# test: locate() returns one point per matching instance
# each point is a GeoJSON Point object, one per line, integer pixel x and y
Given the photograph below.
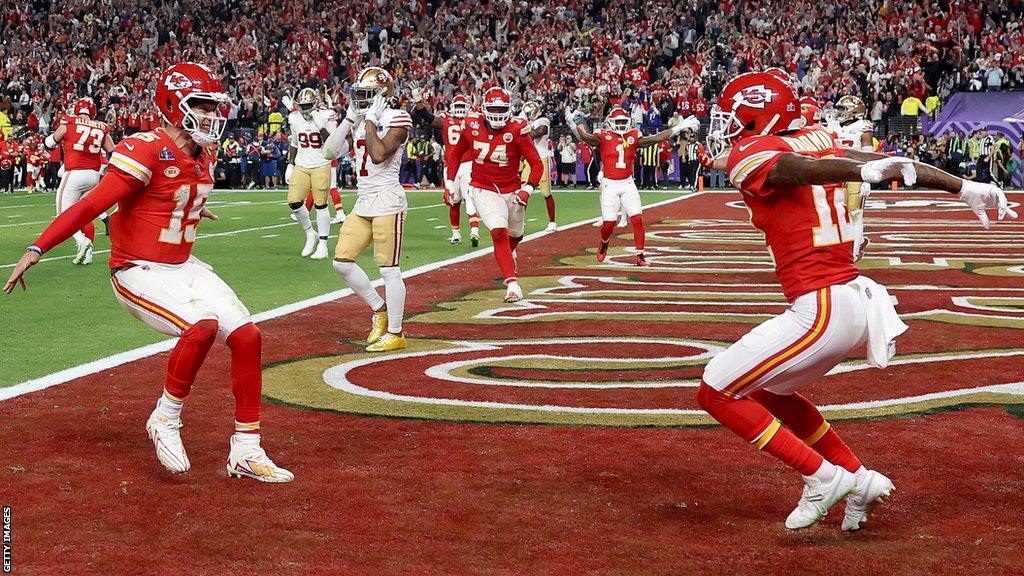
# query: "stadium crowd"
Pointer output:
{"type": "Point", "coordinates": [658, 58]}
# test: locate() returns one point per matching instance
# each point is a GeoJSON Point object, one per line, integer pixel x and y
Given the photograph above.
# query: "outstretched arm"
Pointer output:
{"type": "Point", "coordinates": [580, 131]}
{"type": "Point", "coordinates": [690, 123]}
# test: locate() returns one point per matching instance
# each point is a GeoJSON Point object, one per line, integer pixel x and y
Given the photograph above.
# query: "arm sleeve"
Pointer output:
{"type": "Point", "coordinates": [114, 186]}
{"type": "Point", "coordinates": [529, 152]}
{"type": "Point", "coordinates": [452, 168]}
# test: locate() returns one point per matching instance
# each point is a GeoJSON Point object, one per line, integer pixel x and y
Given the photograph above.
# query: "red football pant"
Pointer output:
{"type": "Point", "coordinates": [804, 419]}
{"type": "Point", "coordinates": [246, 373]}
{"type": "Point", "coordinates": [187, 356]}
{"type": "Point", "coordinates": [752, 422]}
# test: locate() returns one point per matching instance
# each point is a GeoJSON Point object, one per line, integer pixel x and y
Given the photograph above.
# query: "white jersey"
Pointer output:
{"type": "Point", "coordinates": [306, 138]}
{"type": "Point", "coordinates": [850, 134]}
{"type": "Point", "coordinates": [541, 142]}
{"type": "Point", "coordinates": [379, 189]}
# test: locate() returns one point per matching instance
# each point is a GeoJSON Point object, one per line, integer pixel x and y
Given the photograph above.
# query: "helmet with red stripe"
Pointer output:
{"type": "Point", "coordinates": [180, 96]}
{"type": "Point", "coordinates": [754, 104]}
{"type": "Point", "coordinates": [497, 107]}
{"type": "Point", "coordinates": [810, 110]}
{"type": "Point", "coordinates": [619, 121]}
{"type": "Point", "coordinates": [459, 106]}
{"type": "Point", "coordinates": [84, 105]}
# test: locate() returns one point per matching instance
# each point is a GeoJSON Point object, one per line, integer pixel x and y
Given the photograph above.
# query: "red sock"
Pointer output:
{"type": "Point", "coordinates": [607, 227]}
{"type": "Point", "coordinates": [550, 201]}
{"type": "Point", "coordinates": [336, 198]}
{"type": "Point", "coordinates": [474, 221]}
{"type": "Point", "coordinates": [503, 253]}
{"type": "Point", "coordinates": [513, 241]}
{"type": "Point", "coordinates": [752, 422]}
{"type": "Point", "coordinates": [246, 373]}
{"type": "Point", "coordinates": [639, 236]}
{"type": "Point", "coordinates": [90, 231]}
{"type": "Point", "coordinates": [804, 419]}
{"type": "Point", "coordinates": [309, 201]}
{"type": "Point", "coordinates": [453, 215]}
{"type": "Point", "coordinates": [188, 355]}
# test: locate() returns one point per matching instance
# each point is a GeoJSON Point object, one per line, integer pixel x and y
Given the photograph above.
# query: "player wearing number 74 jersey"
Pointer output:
{"type": "Point", "coordinates": [160, 181]}
{"type": "Point", "coordinates": [788, 176]}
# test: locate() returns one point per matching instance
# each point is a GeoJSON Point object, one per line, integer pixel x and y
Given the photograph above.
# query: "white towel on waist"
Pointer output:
{"type": "Point", "coordinates": [884, 324]}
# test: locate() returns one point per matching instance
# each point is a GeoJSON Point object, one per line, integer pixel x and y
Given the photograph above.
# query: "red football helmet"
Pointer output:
{"type": "Point", "coordinates": [754, 104]}
{"type": "Point", "coordinates": [619, 121]}
{"type": "Point", "coordinates": [85, 106]}
{"type": "Point", "coordinates": [497, 107]}
{"type": "Point", "coordinates": [459, 106]}
{"type": "Point", "coordinates": [810, 110]}
{"type": "Point", "coordinates": [180, 89]}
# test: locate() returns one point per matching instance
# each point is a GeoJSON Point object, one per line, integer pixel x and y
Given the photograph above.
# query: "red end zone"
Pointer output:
{"type": "Point", "coordinates": [609, 468]}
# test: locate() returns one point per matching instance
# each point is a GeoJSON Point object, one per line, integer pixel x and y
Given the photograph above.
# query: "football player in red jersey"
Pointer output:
{"type": "Point", "coordinates": [497, 143]}
{"type": "Point", "coordinates": [810, 110]}
{"type": "Point", "coordinates": [790, 178]}
{"type": "Point", "coordinates": [160, 181]}
{"type": "Point", "coordinates": [450, 125]}
{"type": "Point", "coordinates": [84, 141]}
{"type": "Point", "coordinates": [617, 147]}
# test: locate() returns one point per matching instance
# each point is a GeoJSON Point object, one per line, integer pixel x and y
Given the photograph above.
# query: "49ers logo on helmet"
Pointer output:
{"type": "Point", "coordinates": [754, 96]}
{"type": "Point", "coordinates": [177, 81]}
{"type": "Point", "coordinates": [382, 77]}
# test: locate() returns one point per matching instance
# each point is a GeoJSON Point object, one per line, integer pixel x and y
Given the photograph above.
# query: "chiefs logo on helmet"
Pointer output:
{"type": "Point", "coordinates": [177, 81]}
{"type": "Point", "coordinates": [757, 96]}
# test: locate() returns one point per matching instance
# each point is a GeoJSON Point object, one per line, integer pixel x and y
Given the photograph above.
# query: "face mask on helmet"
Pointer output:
{"type": "Point", "coordinates": [723, 128]}
{"type": "Point", "coordinates": [619, 124]}
{"type": "Point", "coordinates": [203, 121]}
{"type": "Point", "coordinates": [497, 114]}
{"type": "Point", "coordinates": [306, 102]}
{"type": "Point", "coordinates": [362, 97]}
{"type": "Point", "coordinates": [459, 108]}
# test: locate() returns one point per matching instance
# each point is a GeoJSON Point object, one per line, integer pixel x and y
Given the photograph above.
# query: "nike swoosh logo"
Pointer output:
{"type": "Point", "coordinates": [745, 146]}
{"type": "Point", "coordinates": [129, 146]}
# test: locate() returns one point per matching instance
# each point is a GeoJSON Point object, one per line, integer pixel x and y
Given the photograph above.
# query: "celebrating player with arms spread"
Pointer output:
{"type": "Point", "coordinates": [84, 140]}
{"type": "Point", "coordinates": [160, 181]}
{"type": "Point", "coordinates": [378, 133]}
{"type": "Point", "coordinates": [498, 143]}
{"type": "Point", "coordinates": [784, 171]}
{"type": "Point", "coordinates": [617, 147]}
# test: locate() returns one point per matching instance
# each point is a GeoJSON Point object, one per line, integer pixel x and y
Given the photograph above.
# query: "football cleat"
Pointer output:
{"type": "Point", "coordinates": [602, 251]}
{"type": "Point", "coordinates": [321, 251]}
{"type": "Point", "coordinates": [474, 238]}
{"type": "Point", "coordinates": [514, 293]}
{"type": "Point", "coordinates": [378, 325]}
{"type": "Point", "coordinates": [551, 227]}
{"type": "Point", "coordinates": [861, 248]}
{"type": "Point", "coordinates": [456, 237]}
{"type": "Point", "coordinates": [247, 459]}
{"type": "Point", "coordinates": [294, 217]}
{"type": "Point", "coordinates": [873, 489]}
{"type": "Point", "coordinates": [641, 261]}
{"type": "Point", "coordinates": [387, 343]}
{"type": "Point", "coordinates": [339, 217]}
{"type": "Point", "coordinates": [167, 440]}
{"type": "Point", "coordinates": [623, 221]}
{"type": "Point", "coordinates": [311, 242]}
{"type": "Point", "coordinates": [84, 252]}
{"type": "Point", "coordinates": [819, 496]}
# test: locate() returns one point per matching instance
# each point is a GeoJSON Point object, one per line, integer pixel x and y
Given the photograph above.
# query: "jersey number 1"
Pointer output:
{"type": "Point", "coordinates": [186, 214]}
{"type": "Point", "coordinates": [829, 232]}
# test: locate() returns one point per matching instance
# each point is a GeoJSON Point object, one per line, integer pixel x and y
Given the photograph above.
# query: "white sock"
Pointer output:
{"type": "Point", "coordinates": [323, 222]}
{"type": "Point", "coordinates": [303, 215]}
{"type": "Point", "coordinates": [826, 472]}
{"type": "Point", "coordinates": [394, 292]}
{"type": "Point", "coordinates": [170, 409]}
{"type": "Point", "coordinates": [247, 438]}
{"type": "Point", "coordinates": [79, 238]}
{"type": "Point", "coordinates": [359, 282]}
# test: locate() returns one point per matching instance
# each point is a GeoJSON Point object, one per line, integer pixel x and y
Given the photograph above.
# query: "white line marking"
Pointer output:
{"type": "Point", "coordinates": [120, 358]}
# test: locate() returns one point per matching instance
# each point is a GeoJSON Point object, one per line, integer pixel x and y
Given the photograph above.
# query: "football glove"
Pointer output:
{"type": "Point", "coordinates": [452, 194]}
{"type": "Point", "coordinates": [377, 107]}
{"type": "Point", "coordinates": [523, 195]}
{"type": "Point", "coordinates": [688, 123]}
{"type": "Point", "coordinates": [889, 168]}
{"type": "Point", "coordinates": [982, 197]}
{"type": "Point", "coordinates": [288, 173]}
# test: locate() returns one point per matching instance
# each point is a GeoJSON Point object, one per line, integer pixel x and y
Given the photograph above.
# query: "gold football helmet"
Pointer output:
{"type": "Point", "coordinates": [306, 101]}
{"type": "Point", "coordinates": [850, 108]}
{"type": "Point", "coordinates": [371, 81]}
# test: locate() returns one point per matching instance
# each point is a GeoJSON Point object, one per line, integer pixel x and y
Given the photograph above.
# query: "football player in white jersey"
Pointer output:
{"type": "Point", "coordinates": [377, 133]}
{"type": "Point", "coordinates": [540, 131]}
{"type": "Point", "coordinates": [309, 127]}
{"type": "Point", "coordinates": [853, 130]}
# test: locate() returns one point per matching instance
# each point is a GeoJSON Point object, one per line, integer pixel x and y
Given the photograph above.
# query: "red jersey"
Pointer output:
{"type": "Point", "coordinates": [496, 154]}
{"type": "Point", "coordinates": [451, 130]}
{"type": "Point", "coordinates": [807, 228]}
{"type": "Point", "coordinates": [618, 151]}
{"type": "Point", "coordinates": [158, 220]}
{"type": "Point", "coordinates": [83, 142]}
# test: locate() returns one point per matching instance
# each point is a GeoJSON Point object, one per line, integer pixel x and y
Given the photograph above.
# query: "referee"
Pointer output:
{"type": "Point", "coordinates": [690, 163]}
{"type": "Point", "coordinates": [649, 166]}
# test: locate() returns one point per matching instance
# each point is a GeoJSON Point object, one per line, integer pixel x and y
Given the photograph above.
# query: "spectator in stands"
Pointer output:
{"type": "Point", "coordinates": [567, 160]}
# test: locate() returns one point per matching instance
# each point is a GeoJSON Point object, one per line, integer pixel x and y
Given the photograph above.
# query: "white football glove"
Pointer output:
{"type": "Point", "coordinates": [351, 114]}
{"type": "Point", "coordinates": [377, 107]}
{"type": "Point", "coordinates": [876, 171]}
{"type": "Point", "coordinates": [865, 191]}
{"type": "Point", "coordinates": [416, 95]}
{"type": "Point", "coordinates": [688, 123]}
{"type": "Point", "coordinates": [288, 173]}
{"type": "Point", "coordinates": [452, 193]}
{"type": "Point", "coordinates": [982, 197]}
{"type": "Point", "coordinates": [287, 102]}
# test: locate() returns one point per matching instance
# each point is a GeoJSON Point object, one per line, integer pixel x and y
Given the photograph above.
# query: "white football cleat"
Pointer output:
{"type": "Point", "coordinates": [514, 293]}
{"type": "Point", "coordinates": [551, 227]}
{"type": "Point", "coordinates": [456, 237]}
{"type": "Point", "coordinates": [873, 489]}
{"type": "Point", "coordinates": [84, 250]}
{"type": "Point", "coordinates": [321, 251]}
{"type": "Point", "coordinates": [247, 459]}
{"type": "Point", "coordinates": [311, 242]}
{"type": "Point", "coordinates": [819, 496]}
{"type": "Point", "coordinates": [339, 217]}
{"type": "Point", "coordinates": [167, 440]}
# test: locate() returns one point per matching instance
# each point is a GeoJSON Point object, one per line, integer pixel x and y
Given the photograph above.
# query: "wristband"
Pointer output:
{"type": "Point", "coordinates": [34, 248]}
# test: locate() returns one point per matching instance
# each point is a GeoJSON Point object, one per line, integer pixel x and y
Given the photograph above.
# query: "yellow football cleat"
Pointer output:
{"type": "Point", "coordinates": [387, 343]}
{"type": "Point", "coordinates": [378, 325]}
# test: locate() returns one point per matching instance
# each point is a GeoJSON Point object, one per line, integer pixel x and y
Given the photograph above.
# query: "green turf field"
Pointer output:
{"type": "Point", "coordinates": [69, 315]}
